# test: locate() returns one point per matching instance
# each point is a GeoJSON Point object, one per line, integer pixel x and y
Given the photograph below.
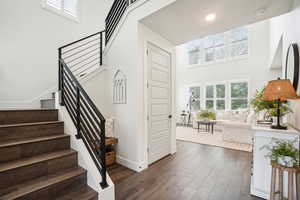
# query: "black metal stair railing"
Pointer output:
{"type": "Point", "coordinates": [114, 16]}
{"type": "Point", "coordinates": [75, 59]}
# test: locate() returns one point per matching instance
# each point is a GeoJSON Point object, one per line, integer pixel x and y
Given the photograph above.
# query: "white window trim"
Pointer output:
{"type": "Point", "coordinates": [200, 99]}
{"type": "Point", "coordinates": [227, 58]}
{"type": "Point", "coordinates": [229, 92]}
{"type": "Point", "coordinates": [215, 94]}
{"type": "Point", "coordinates": [227, 83]}
{"type": "Point", "coordinates": [218, 98]}
{"type": "Point", "coordinates": [61, 12]}
{"type": "Point", "coordinates": [207, 99]}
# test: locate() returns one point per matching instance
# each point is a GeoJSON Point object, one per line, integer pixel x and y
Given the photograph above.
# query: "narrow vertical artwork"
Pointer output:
{"type": "Point", "coordinates": [119, 88]}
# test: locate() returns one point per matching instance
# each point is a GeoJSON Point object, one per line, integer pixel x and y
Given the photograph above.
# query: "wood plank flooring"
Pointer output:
{"type": "Point", "coordinates": [195, 172]}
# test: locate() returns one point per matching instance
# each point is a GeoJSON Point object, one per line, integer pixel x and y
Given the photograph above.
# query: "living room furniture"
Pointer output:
{"type": "Point", "coordinates": [208, 124]}
{"type": "Point", "coordinates": [261, 165]}
{"type": "Point", "coordinates": [238, 132]}
{"type": "Point", "coordinates": [293, 181]}
{"type": "Point", "coordinates": [235, 125]}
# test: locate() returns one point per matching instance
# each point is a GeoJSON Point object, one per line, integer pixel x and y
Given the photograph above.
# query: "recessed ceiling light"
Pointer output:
{"type": "Point", "coordinates": [210, 17]}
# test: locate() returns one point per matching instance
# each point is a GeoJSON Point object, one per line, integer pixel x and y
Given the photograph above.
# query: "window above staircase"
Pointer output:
{"type": "Point", "coordinates": [65, 8]}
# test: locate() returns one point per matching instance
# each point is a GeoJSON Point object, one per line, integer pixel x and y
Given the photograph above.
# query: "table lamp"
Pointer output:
{"type": "Point", "coordinates": [280, 90]}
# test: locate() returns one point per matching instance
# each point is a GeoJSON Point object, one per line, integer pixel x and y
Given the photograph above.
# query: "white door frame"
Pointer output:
{"type": "Point", "coordinates": [147, 103]}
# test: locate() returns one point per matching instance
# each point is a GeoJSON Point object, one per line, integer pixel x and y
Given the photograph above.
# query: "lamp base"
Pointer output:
{"type": "Point", "coordinates": [279, 127]}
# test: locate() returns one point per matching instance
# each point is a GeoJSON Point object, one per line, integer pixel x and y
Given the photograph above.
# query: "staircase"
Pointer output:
{"type": "Point", "coordinates": [36, 162]}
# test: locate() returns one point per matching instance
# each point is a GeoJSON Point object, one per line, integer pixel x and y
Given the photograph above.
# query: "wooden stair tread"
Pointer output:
{"type": "Point", "coordinates": [15, 142]}
{"type": "Point", "coordinates": [42, 182]}
{"type": "Point", "coordinates": [86, 193]}
{"type": "Point", "coordinates": [30, 124]}
{"type": "Point", "coordinates": [35, 159]}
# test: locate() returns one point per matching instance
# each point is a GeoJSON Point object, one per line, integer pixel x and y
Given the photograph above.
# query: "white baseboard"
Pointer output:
{"type": "Point", "coordinates": [173, 150]}
{"type": "Point", "coordinates": [135, 166]}
{"type": "Point", "coordinates": [258, 193]}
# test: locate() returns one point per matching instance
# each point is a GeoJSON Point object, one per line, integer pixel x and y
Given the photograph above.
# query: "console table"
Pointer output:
{"type": "Point", "coordinates": [261, 167]}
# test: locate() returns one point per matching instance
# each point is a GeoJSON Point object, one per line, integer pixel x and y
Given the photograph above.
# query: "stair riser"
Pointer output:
{"type": "Point", "coordinates": [27, 116]}
{"type": "Point", "coordinates": [40, 130]}
{"type": "Point", "coordinates": [32, 149]}
{"type": "Point", "coordinates": [29, 172]}
{"type": "Point", "coordinates": [55, 190]}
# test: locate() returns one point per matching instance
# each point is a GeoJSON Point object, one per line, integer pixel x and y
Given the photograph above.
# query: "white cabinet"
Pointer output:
{"type": "Point", "coordinates": [261, 168]}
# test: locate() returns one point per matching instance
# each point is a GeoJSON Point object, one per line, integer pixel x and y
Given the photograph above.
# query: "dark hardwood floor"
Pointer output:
{"type": "Point", "coordinates": [195, 172]}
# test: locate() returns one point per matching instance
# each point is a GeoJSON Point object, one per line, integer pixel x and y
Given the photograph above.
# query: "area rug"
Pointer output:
{"type": "Point", "coordinates": [192, 135]}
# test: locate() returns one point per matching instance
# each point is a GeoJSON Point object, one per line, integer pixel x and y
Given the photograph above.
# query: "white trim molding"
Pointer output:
{"type": "Point", "coordinates": [61, 11]}
{"type": "Point", "coordinates": [135, 166]}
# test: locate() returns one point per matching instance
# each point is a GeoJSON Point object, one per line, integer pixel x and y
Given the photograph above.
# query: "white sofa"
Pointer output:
{"type": "Point", "coordinates": [235, 125]}
{"type": "Point", "coordinates": [237, 132]}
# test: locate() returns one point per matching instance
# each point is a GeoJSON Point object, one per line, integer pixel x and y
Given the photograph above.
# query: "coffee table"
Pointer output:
{"type": "Point", "coordinates": [209, 125]}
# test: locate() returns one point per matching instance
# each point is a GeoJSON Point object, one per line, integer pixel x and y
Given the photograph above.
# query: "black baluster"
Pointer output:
{"type": "Point", "coordinates": [78, 136]}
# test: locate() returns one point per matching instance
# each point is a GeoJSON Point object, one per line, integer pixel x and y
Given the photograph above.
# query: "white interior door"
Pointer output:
{"type": "Point", "coordinates": [159, 103]}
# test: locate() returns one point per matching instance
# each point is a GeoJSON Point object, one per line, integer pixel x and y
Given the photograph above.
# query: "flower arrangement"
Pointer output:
{"type": "Point", "coordinates": [283, 152]}
{"type": "Point", "coordinates": [205, 114]}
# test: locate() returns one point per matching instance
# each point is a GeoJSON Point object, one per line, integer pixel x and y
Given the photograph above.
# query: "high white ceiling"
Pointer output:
{"type": "Point", "coordinates": [184, 20]}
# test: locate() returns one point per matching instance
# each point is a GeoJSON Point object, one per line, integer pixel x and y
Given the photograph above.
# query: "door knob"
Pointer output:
{"type": "Point", "coordinates": [170, 116]}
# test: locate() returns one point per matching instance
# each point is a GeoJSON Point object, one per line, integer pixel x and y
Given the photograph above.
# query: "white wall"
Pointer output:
{"type": "Point", "coordinates": [124, 53]}
{"type": "Point", "coordinates": [286, 25]}
{"type": "Point", "coordinates": [254, 68]}
{"type": "Point", "coordinates": [96, 86]}
{"type": "Point", "coordinates": [29, 39]}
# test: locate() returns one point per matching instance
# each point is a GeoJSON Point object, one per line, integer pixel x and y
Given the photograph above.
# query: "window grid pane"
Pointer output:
{"type": "Point", "coordinates": [238, 34]}
{"type": "Point", "coordinates": [55, 3]}
{"type": "Point", "coordinates": [195, 92]}
{"type": "Point", "coordinates": [220, 91]}
{"type": "Point", "coordinates": [194, 57]}
{"type": "Point", "coordinates": [220, 104]}
{"type": "Point", "coordinates": [221, 47]}
{"type": "Point", "coordinates": [70, 6]}
{"type": "Point", "coordinates": [209, 104]}
{"type": "Point", "coordinates": [209, 55]}
{"type": "Point", "coordinates": [238, 49]}
{"type": "Point", "coordinates": [209, 91]}
{"type": "Point", "coordinates": [239, 104]}
{"type": "Point", "coordinates": [220, 53]}
{"type": "Point", "coordinates": [239, 90]}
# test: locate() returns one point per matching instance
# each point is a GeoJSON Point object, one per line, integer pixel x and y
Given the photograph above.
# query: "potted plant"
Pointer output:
{"type": "Point", "coordinates": [206, 115]}
{"type": "Point", "coordinates": [272, 112]}
{"type": "Point", "coordinates": [269, 107]}
{"type": "Point", "coordinates": [283, 152]}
